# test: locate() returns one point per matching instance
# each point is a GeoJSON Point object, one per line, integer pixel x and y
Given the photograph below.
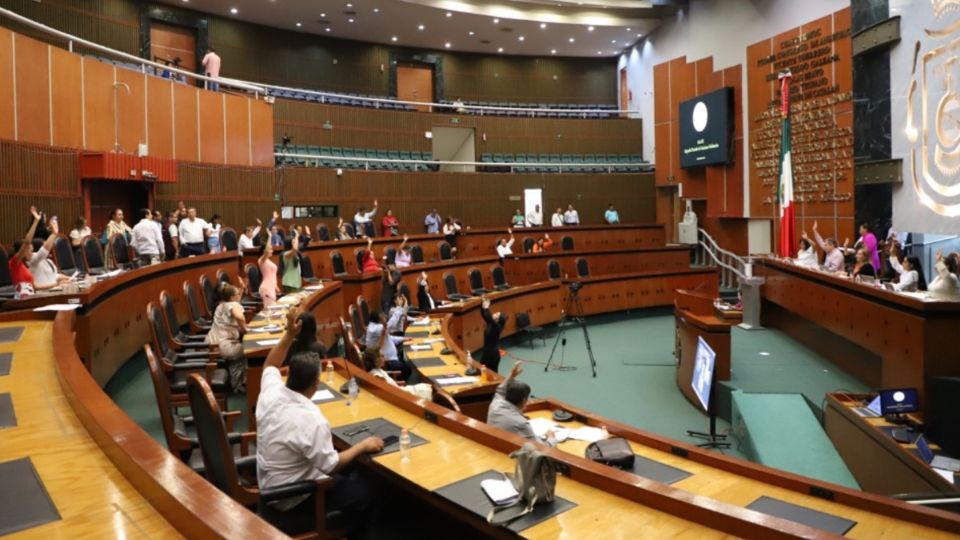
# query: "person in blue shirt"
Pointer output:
{"type": "Point", "coordinates": [432, 222]}
{"type": "Point", "coordinates": [611, 216]}
{"type": "Point", "coordinates": [377, 337]}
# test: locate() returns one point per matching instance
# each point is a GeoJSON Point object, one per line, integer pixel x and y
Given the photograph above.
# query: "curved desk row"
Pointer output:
{"type": "Point", "coordinates": [532, 267]}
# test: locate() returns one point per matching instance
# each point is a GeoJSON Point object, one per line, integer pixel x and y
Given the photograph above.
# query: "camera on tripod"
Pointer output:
{"type": "Point", "coordinates": [574, 286]}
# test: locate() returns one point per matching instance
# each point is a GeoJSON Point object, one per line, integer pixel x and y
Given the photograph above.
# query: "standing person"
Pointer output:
{"type": "Point", "coordinates": [193, 234]}
{"type": "Point", "coordinates": [611, 216]}
{"type": "Point", "coordinates": [363, 220]}
{"type": "Point", "coordinates": [431, 223]}
{"type": "Point", "coordinates": [505, 247]}
{"type": "Point", "coordinates": [557, 219]}
{"type": "Point", "coordinates": [491, 336]}
{"type": "Point", "coordinates": [535, 217]}
{"type": "Point", "coordinates": [268, 277]}
{"type": "Point", "coordinates": [292, 280]}
{"type": "Point", "coordinates": [116, 225]}
{"type": "Point", "coordinates": [450, 230]}
{"type": "Point", "coordinates": [213, 234]}
{"type": "Point", "coordinates": [390, 281]}
{"type": "Point", "coordinates": [571, 217]}
{"type": "Point", "coordinates": [246, 239]}
{"type": "Point", "coordinates": [425, 300]}
{"type": "Point", "coordinates": [181, 211]}
{"type": "Point", "coordinates": [77, 234]}
{"type": "Point", "coordinates": [404, 257]}
{"type": "Point", "coordinates": [226, 332]}
{"type": "Point", "coordinates": [211, 68]}
{"type": "Point", "coordinates": [869, 242]}
{"type": "Point", "coordinates": [517, 220]}
{"type": "Point", "coordinates": [171, 238]}
{"type": "Point", "coordinates": [390, 224]}
{"type": "Point", "coordinates": [147, 239]}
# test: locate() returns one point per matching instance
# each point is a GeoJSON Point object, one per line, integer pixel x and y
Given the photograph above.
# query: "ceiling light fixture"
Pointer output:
{"type": "Point", "coordinates": [350, 20]}
{"type": "Point", "coordinates": [639, 35]}
{"type": "Point", "coordinates": [589, 29]}
{"type": "Point", "coordinates": [420, 27]}
{"type": "Point", "coordinates": [628, 29]}
{"type": "Point", "coordinates": [496, 21]}
{"type": "Point", "coordinates": [447, 44]}
{"type": "Point", "coordinates": [553, 51]}
{"type": "Point", "coordinates": [299, 25]}
{"type": "Point", "coordinates": [349, 5]}
{"type": "Point", "coordinates": [234, 10]}
{"type": "Point", "coordinates": [323, 15]}
{"type": "Point", "coordinates": [449, 14]}
{"type": "Point", "coordinates": [613, 41]}
{"type": "Point", "coordinates": [394, 38]}
{"type": "Point", "coordinates": [470, 33]}
{"type": "Point", "coordinates": [599, 52]}
{"type": "Point", "coordinates": [571, 40]}
{"type": "Point", "coordinates": [543, 25]}
{"type": "Point", "coordinates": [500, 49]}
{"type": "Point", "coordinates": [376, 10]}
{"type": "Point", "coordinates": [327, 29]}
{"type": "Point", "coordinates": [521, 38]}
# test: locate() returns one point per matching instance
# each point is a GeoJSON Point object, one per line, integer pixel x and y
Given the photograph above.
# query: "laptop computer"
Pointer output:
{"type": "Point", "coordinates": [937, 462]}
{"type": "Point", "coordinates": [870, 411]}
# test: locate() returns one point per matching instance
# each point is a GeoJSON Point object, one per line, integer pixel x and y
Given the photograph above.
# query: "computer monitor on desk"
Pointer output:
{"type": "Point", "coordinates": [896, 402]}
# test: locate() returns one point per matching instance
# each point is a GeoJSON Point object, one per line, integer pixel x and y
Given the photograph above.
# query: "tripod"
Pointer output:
{"type": "Point", "coordinates": [573, 303]}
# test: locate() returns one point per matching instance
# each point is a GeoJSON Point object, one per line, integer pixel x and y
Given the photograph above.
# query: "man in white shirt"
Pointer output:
{"type": "Point", "coordinates": [535, 217]}
{"type": "Point", "coordinates": [193, 234]}
{"type": "Point", "coordinates": [294, 442]}
{"type": "Point", "coordinates": [173, 232]}
{"type": "Point", "coordinates": [504, 246]}
{"type": "Point", "coordinates": [147, 239]}
{"type": "Point", "coordinates": [362, 218]}
{"type": "Point", "coordinates": [557, 219]}
{"type": "Point", "coordinates": [246, 239]}
{"type": "Point", "coordinates": [571, 217]}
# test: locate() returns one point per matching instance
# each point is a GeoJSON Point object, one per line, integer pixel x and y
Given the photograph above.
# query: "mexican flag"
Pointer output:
{"type": "Point", "coordinates": [788, 232]}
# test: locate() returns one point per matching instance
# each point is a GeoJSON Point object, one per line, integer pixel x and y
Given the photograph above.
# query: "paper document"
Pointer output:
{"type": "Point", "coordinates": [421, 347]}
{"type": "Point", "coordinates": [541, 426]}
{"type": "Point", "coordinates": [421, 322]}
{"type": "Point", "coordinates": [314, 288]}
{"type": "Point", "coordinates": [588, 434]}
{"type": "Point", "coordinates": [268, 342]}
{"type": "Point", "coordinates": [59, 307]}
{"type": "Point", "coordinates": [947, 475]}
{"type": "Point", "coordinates": [322, 395]}
{"type": "Point", "coordinates": [266, 328]}
{"type": "Point", "coordinates": [433, 340]}
{"type": "Point", "coordinates": [499, 491]}
{"type": "Point", "coordinates": [449, 381]}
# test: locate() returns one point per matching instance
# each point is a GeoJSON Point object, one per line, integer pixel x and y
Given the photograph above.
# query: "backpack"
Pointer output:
{"type": "Point", "coordinates": [535, 479]}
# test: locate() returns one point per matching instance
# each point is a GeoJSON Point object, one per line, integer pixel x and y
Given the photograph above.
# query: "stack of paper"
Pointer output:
{"type": "Point", "coordinates": [421, 347]}
{"type": "Point", "coordinates": [421, 322]}
{"type": "Point", "coordinates": [586, 433]}
{"type": "Point", "coordinates": [322, 395]}
{"type": "Point", "coordinates": [449, 381]}
{"type": "Point", "coordinates": [541, 426]}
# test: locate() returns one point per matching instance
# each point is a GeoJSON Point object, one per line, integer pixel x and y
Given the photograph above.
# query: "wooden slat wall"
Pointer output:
{"type": "Point", "coordinates": [41, 176]}
{"type": "Point", "coordinates": [353, 127]}
{"type": "Point", "coordinates": [238, 195]}
{"type": "Point", "coordinates": [113, 23]}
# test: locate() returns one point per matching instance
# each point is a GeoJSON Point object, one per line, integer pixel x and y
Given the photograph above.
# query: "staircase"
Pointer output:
{"type": "Point", "coordinates": [736, 276]}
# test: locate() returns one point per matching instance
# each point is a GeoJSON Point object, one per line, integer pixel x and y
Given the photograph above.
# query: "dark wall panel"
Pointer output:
{"type": "Point", "coordinates": [112, 23]}
{"type": "Point", "coordinates": [36, 175]}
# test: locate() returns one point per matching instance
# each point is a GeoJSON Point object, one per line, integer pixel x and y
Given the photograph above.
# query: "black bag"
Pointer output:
{"type": "Point", "coordinates": [614, 451]}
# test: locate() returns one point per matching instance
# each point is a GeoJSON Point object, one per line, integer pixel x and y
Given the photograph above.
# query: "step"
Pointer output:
{"type": "Point", "coordinates": [781, 431]}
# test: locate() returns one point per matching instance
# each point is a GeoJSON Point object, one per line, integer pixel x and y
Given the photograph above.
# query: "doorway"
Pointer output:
{"type": "Point", "coordinates": [169, 42]}
{"type": "Point", "coordinates": [624, 92]}
{"type": "Point", "coordinates": [454, 144]}
{"type": "Point", "coordinates": [415, 83]}
{"type": "Point", "coordinates": [106, 195]}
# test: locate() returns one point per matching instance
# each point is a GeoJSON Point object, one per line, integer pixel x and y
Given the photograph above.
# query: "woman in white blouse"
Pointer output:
{"type": "Point", "coordinates": [911, 274]}
{"type": "Point", "coordinates": [945, 286]}
{"type": "Point", "coordinates": [807, 255]}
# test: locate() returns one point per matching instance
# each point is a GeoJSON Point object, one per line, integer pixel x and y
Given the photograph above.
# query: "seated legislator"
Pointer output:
{"type": "Point", "coordinates": [370, 263]}
{"type": "Point", "coordinates": [945, 286]}
{"type": "Point", "coordinates": [307, 340]}
{"type": "Point", "coordinates": [246, 239]}
{"type": "Point", "coordinates": [148, 239]}
{"type": "Point", "coordinates": [25, 264]}
{"type": "Point", "coordinates": [404, 256]}
{"type": "Point", "coordinates": [505, 247]}
{"type": "Point", "coordinates": [226, 332]}
{"type": "Point", "coordinates": [490, 356]}
{"type": "Point", "coordinates": [506, 409]}
{"type": "Point", "coordinates": [611, 216]}
{"type": "Point", "coordinates": [343, 231]}
{"type": "Point", "coordinates": [374, 363]}
{"type": "Point", "coordinates": [862, 267]}
{"type": "Point", "coordinates": [425, 300]}
{"type": "Point", "coordinates": [398, 319]}
{"type": "Point", "coordinates": [379, 339]}
{"type": "Point", "coordinates": [294, 443]}
{"type": "Point", "coordinates": [833, 260]}
{"type": "Point", "coordinates": [807, 254]}
{"type": "Point", "coordinates": [910, 273]}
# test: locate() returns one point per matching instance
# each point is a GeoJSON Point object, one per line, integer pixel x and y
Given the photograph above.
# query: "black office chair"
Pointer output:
{"type": "Point", "coordinates": [528, 244]}
{"type": "Point", "coordinates": [199, 321]}
{"type": "Point", "coordinates": [405, 291]}
{"type": "Point", "coordinates": [499, 279]}
{"type": "Point", "coordinates": [529, 330]}
{"type": "Point", "coordinates": [553, 270]}
{"type": "Point", "coordinates": [350, 230]}
{"type": "Point", "coordinates": [476, 282]}
{"type": "Point", "coordinates": [168, 349]}
{"type": "Point", "coordinates": [93, 256]}
{"type": "Point", "coordinates": [391, 254]}
{"type": "Point", "coordinates": [566, 243]}
{"type": "Point", "coordinates": [63, 252]}
{"type": "Point", "coordinates": [450, 284]}
{"type": "Point", "coordinates": [364, 308]}
{"type": "Point", "coordinates": [228, 239]}
{"type": "Point", "coordinates": [120, 249]}
{"type": "Point", "coordinates": [358, 254]}
{"type": "Point", "coordinates": [583, 267]}
{"type": "Point", "coordinates": [209, 294]}
{"type": "Point", "coordinates": [6, 280]}
{"type": "Point", "coordinates": [306, 269]}
{"type": "Point", "coordinates": [180, 336]}
{"type": "Point", "coordinates": [254, 279]}
{"type": "Point", "coordinates": [323, 233]}
{"type": "Point", "coordinates": [416, 254]}
{"type": "Point", "coordinates": [445, 252]}
{"type": "Point", "coordinates": [359, 329]}
{"type": "Point", "coordinates": [336, 260]}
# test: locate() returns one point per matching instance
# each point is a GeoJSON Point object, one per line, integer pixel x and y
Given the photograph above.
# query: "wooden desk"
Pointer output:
{"type": "Point", "coordinates": [621, 292]}
{"type": "Point", "coordinates": [879, 463]}
{"type": "Point", "coordinates": [883, 338]}
{"type": "Point", "coordinates": [112, 325]}
{"type": "Point", "coordinates": [522, 269]}
{"type": "Point", "coordinates": [695, 316]}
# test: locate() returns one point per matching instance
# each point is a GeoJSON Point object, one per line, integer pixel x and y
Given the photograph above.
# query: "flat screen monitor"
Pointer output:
{"type": "Point", "coordinates": [899, 401]}
{"type": "Point", "coordinates": [706, 129]}
{"type": "Point", "coordinates": [703, 373]}
{"type": "Point", "coordinates": [943, 415]}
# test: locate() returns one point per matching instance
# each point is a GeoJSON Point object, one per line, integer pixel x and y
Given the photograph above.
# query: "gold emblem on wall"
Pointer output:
{"type": "Point", "coordinates": [933, 115]}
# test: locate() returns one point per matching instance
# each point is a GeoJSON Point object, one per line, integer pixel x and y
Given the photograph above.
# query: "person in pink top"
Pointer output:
{"type": "Point", "coordinates": [211, 68]}
{"type": "Point", "coordinates": [268, 272]}
{"type": "Point", "coordinates": [869, 242]}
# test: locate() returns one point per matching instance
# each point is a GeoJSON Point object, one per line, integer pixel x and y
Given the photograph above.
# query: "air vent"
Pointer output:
{"type": "Point", "coordinates": [506, 29]}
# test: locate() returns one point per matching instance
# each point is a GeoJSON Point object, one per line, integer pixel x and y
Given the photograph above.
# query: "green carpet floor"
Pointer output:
{"type": "Point", "coordinates": [635, 381]}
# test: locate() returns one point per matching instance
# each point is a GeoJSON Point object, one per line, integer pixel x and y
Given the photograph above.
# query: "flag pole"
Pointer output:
{"type": "Point", "coordinates": [784, 77]}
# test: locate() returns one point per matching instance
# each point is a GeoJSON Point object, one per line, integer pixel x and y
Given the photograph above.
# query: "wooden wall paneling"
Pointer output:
{"type": "Point", "coordinates": [112, 23]}
{"type": "Point", "coordinates": [186, 133]}
{"type": "Point", "coordinates": [98, 105]}
{"type": "Point", "coordinates": [261, 133]}
{"type": "Point", "coordinates": [67, 105]}
{"type": "Point", "coordinates": [159, 135]}
{"type": "Point", "coordinates": [7, 78]}
{"type": "Point", "coordinates": [132, 108]}
{"type": "Point", "coordinates": [33, 90]}
{"type": "Point", "coordinates": [236, 127]}
{"type": "Point", "coordinates": [211, 126]}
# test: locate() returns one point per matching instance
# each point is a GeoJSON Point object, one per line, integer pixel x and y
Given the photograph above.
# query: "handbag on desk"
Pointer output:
{"type": "Point", "coordinates": [615, 452]}
{"type": "Point", "coordinates": [535, 479]}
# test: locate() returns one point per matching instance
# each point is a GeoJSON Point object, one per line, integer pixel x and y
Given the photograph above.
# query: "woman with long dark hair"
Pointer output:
{"type": "Point", "coordinates": [307, 340]}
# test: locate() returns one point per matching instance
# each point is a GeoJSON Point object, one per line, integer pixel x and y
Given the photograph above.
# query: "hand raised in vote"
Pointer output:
{"type": "Point", "coordinates": [516, 370]}
{"type": "Point", "coordinates": [803, 234]}
{"type": "Point", "coordinates": [939, 255]}
{"type": "Point", "coordinates": [293, 321]}
{"type": "Point", "coordinates": [814, 226]}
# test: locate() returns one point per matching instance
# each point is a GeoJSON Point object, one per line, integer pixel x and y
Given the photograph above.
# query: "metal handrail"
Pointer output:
{"type": "Point", "coordinates": [265, 89]}
{"type": "Point", "coordinates": [719, 262]}
{"type": "Point", "coordinates": [314, 157]}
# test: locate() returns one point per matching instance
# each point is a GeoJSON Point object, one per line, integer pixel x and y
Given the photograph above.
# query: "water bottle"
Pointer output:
{"type": "Point", "coordinates": [353, 390]}
{"type": "Point", "coordinates": [404, 445]}
{"type": "Point", "coordinates": [604, 433]}
{"type": "Point", "coordinates": [329, 372]}
{"type": "Point", "coordinates": [469, 360]}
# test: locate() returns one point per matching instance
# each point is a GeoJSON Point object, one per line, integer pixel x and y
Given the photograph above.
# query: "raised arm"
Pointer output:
{"type": "Point", "coordinates": [485, 311]}
{"type": "Point", "coordinates": [279, 352]}
{"type": "Point", "coordinates": [373, 211]}
{"type": "Point", "coordinates": [28, 238]}
{"type": "Point", "coordinates": [404, 243]}
{"type": "Point", "coordinates": [49, 242]}
{"type": "Point", "coordinates": [895, 264]}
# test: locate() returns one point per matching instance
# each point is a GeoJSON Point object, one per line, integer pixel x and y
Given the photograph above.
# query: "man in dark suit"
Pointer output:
{"type": "Point", "coordinates": [491, 336]}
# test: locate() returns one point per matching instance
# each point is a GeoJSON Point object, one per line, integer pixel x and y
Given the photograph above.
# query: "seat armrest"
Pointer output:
{"type": "Point", "coordinates": [306, 487]}
{"type": "Point", "coordinates": [246, 464]}
{"type": "Point", "coordinates": [246, 439]}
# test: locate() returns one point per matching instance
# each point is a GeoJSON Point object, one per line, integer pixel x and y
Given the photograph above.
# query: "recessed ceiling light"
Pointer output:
{"type": "Point", "coordinates": [376, 10]}
{"type": "Point", "coordinates": [394, 38]}
{"type": "Point", "coordinates": [571, 40]}
{"type": "Point", "coordinates": [234, 10]}
{"type": "Point", "coordinates": [521, 38]}
{"type": "Point", "coordinates": [499, 49]}
{"type": "Point", "coordinates": [553, 51]}
{"type": "Point", "coordinates": [449, 14]}
{"type": "Point", "coordinates": [350, 20]}
{"type": "Point", "coordinates": [589, 29]}
{"type": "Point", "coordinates": [599, 52]}
{"type": "Point", "coordinates": [349, 5]}
{"type": "Point", "coordinates": [496, 21]}
{"type": "Point", "coordinates": [470, 32]}
{"type": "Point", "coordinates": [628, 29]}
{"type": "Point", "coordinates": [613, 41]}
{"type": "Point", "coordinates": [327, 29]}
{"type": "Point", "coordinates": [323, 15]}
{"type": "Point", "coordinates": [543, 25]}
{"type": "Point", "coordinates": [185, 1]}
{"type": "Point", "coordinates": [420, 27]}
{"type": "Point", "coordinates": [447, 44]}
{"type": "Point", "coordinates": [299, 25]}
{"type": "Point", "coordinates": [639, 35]}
